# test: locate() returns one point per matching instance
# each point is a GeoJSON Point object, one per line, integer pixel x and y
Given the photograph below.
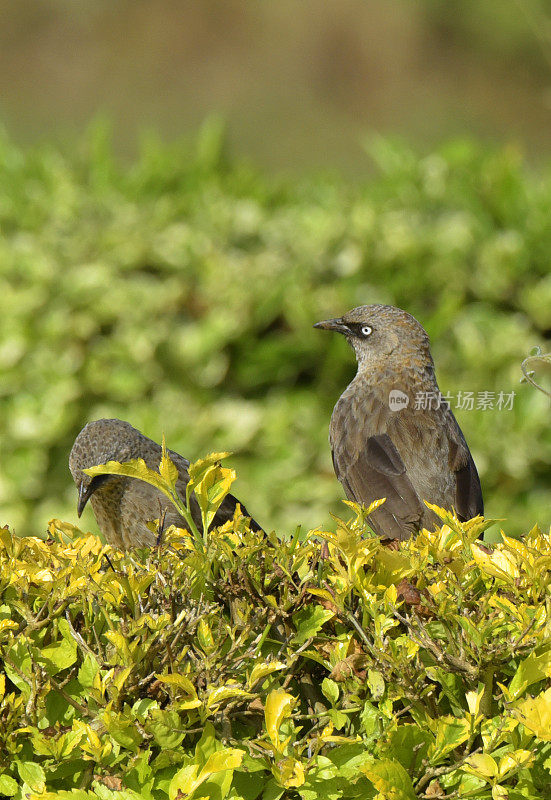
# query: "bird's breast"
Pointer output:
{"type": "Point", "coordinates": [419, 435]}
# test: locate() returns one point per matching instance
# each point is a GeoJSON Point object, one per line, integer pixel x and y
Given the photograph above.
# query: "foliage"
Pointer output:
{"type": "Point", "coordinates": [234, 665]}
{"type": "Point", "coordinates": [179, 293]}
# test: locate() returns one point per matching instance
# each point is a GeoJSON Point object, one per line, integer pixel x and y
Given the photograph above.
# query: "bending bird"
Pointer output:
{"type": "Point", "coordinates": [122, 506]}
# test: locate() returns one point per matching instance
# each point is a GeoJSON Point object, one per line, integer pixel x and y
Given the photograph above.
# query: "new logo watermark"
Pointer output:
{"type": "Point", "coordinates": [397, 400]}
{"type": "Point", "coordinates": [465, 401]}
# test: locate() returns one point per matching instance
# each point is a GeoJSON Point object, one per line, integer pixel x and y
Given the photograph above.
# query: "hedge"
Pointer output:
{"type": "Point", "coordinates": [238, 665]}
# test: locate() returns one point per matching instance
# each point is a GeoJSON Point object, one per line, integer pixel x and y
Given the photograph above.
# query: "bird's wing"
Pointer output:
{"type": "Point", "coordinates": [227, 510]}
{"type": "Point", "coordinates": [376, 471]}
{"type": "Point", "coordinates": [468, 492]}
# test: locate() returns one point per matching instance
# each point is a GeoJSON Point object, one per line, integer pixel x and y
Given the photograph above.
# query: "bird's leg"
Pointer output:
{"type": "Point", "coordinates": [109, 562]}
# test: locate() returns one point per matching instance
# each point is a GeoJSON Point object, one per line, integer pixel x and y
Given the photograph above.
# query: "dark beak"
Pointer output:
{"type": "Point", "coordinates": [86, 492]}
{"type": "Point", "coordinates": [333, 325]}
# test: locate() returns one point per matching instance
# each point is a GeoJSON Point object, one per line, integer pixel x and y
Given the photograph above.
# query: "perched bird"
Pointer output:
{"type": "Point", "coordinates": [122, 505]}
{"type": "Point", "coordinates": [391, 435]}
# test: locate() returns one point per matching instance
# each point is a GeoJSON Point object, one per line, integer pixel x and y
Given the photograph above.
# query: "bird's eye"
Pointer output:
{"type": "Point", "coordinates": [366, 330]}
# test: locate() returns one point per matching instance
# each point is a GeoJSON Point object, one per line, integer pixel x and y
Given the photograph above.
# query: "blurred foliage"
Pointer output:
{"type": "Point", "coordinates": [536, 364]}
{"type": "Point", "coordinates": [247, 667]}
{"type": "Point", "coordinates": [179, 294]}
{"type": "Point", "coordinates": [514, 32]}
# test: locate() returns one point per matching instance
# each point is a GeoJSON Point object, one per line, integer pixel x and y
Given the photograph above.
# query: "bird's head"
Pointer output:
{"type": "Point", "coordinates": [382, 335]}
{"type": "Point", "coordinates": [99, 442]}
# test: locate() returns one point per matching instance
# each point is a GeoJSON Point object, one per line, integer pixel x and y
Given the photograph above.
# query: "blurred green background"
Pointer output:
{"type": "Point", "coordinates": [257, 167]}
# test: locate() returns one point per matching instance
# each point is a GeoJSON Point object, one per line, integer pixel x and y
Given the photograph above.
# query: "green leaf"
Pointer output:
{"type": "Point", "coordinates": [32, 774]}
{"type": "Point", "coordinates": [337, 717]}
{"type": "Point", "coordinates": [248, 785]}
{"type": "Point", "coordinates": [166, 728]}
{"type": "Point", "coordinates": [324, 781]}
{"type": "Point", "coordinates": [370, 720]}
{"type": "Point", "coordinates": [122, 730]}
{"type": "Point", "coordinates": [408, 744]}
{"type": "Point", "coordinates": [20, 655]}
{"type": "Point", "coordinates": [88, 671]}
{"type": "Point", "coordinates": [308, 621]}
{"type": "Point", "coordinates": [272, 790]}
{"type": "Point", "coordinates": [8, 786]}
{"type": "Point", "coordinates": [376, 683]}
{"type": "Point", "coordinates": [60, 654]}
{"type": "Point", "coordinates": [207, 744]}
{"type": "Point", "coordinates": [330, 689]}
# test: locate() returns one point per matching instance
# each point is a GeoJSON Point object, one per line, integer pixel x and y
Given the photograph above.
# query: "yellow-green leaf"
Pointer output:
{"type": "Point", "coordinates": [198, 468]}
{"type": "Point", "coordinates": [260, 671]}
{"type": "Point", "coordinates": [279, 705]}
{"type": "Point", "coordinates": [531, 670]}
{"type": "Point", "coordinates": [450, 733]}
{"type": "Point", "coordinates": [535, 714]}
{"type": "Point", "coordinates": [167, 469]}
{"type": "Point", "coordinates": [498, 564]}
{"type": "Point", "coordinates": [289, 773]}
{"type": "Point", "coordinates": [32, 774]}
{"type": "Point", "coordinates": [175, 679]}
{"type": "Point", "coordinates": [221, 693]}
{"type": "Point", "coordinates": [511, 762]}
{"type": "Point", "coordinates": [211, 490]}
{"type": "Point", "coordinates": [390, 779]}
{"type": "Point", "coordinates": [228, 758]}
{"type": "Point", "coordinates": [482, 765]}
{"type": "Point", "coordinates": [205, 637]}
{"type": "Point", "coordinates": [189, 778]}
{"type": "Point", "coordinates": [137, 468]}
{"type": "Point", "coordinates": [473, 701]}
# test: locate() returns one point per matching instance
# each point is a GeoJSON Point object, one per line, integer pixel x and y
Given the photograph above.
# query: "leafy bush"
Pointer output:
{"type": "Point", "coordinates": [179, 293]}
{"type": "Point", "coordinates": [234, 665]}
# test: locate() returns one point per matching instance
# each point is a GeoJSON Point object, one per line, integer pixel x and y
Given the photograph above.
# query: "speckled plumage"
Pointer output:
{"type": "Point", "coordinates": [406, 455]}
{"type": "Point", "coordinates": [122, 506]}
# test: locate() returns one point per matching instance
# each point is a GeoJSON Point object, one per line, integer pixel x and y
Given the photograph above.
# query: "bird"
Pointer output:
{"type": "Point", "coordinates": [391, 435]}
{"type": "Point", "coordinates": [122, 505]}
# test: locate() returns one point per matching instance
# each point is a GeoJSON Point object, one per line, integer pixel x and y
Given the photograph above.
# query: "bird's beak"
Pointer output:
{"type": "Point", "coordinates": [332, 325]}
{"type": "Point", "coordinates": [86, 492]}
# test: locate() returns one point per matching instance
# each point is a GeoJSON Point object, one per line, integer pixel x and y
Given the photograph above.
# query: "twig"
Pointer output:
{"type": "Point", "coordinates": [524, 633]}
{"type": "Point", "coordinates": [441, 656]}
{"type": "Point", "coordinates": [76, 635]}
{"type": "Point", "coordinates": [78, 706]}
{"type": "Point", "coordinates": [436, 772]}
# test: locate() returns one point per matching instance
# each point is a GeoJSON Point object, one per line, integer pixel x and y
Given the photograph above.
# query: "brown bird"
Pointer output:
{"type": "Point", "coordinates": [122, 506]}
{"type": "Point", "coordinates": [391, 435]}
